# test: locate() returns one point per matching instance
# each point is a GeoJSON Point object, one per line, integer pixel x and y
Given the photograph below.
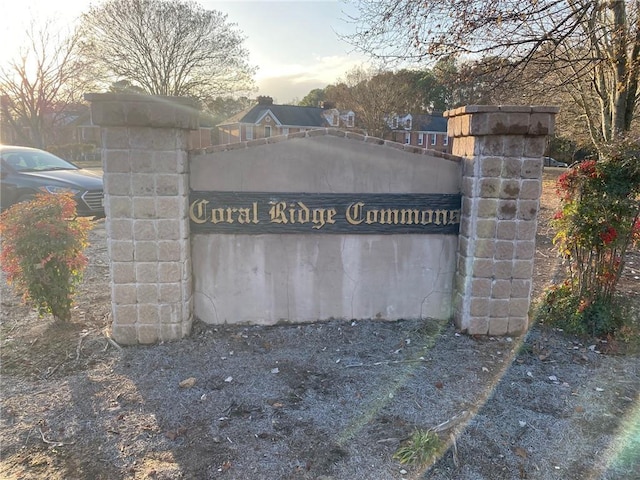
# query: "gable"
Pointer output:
{"type": "Point", "coordinates": [267, 116]}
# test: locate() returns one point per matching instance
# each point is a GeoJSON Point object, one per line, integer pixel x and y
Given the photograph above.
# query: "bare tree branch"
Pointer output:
{"type": "Point", "coordinates": [572, 45]}
{"type": "Point", "coordinates": [169, 47]}
{"type": "Point", "coordinates": [45, 80]}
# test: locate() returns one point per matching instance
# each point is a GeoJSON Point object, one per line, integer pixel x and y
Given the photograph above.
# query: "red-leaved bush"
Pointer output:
{"type": "Point", "coordinates": [41, 250]}
{"type": "Point", "coordinates": [598, 222]}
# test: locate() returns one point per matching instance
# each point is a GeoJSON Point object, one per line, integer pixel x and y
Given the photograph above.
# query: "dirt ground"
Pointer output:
{"type": "Point", "coordinates": [332, 400]}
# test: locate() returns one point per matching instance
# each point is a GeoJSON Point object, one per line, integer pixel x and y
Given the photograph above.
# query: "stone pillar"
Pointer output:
{"type": "Point", "coordinates": [502, 148]}
{"type": "Point", "coordinates": [146, 185]}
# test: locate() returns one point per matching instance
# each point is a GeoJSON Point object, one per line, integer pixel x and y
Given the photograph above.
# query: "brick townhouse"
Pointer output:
{"type": "Point", "coordinates": [427, 131]}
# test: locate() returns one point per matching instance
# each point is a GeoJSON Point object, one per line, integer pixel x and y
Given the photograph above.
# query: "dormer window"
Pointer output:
{"type": "Point", "coordinates": [336, 120]}
{"type": "Point", "coordinates": [350, 119]}
{"type": "Point", "coordinates": [267, 119]}
{"type": "Point", "coordinates": [407, 123]}
{"type": "Point", "coordinates": [394, 123]}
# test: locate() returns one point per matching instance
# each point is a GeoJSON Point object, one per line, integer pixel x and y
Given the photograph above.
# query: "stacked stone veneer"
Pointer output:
{"type": "Point", "coordinates": [502, 148]}
{"type": "Point", "coordinates": [145, 163]}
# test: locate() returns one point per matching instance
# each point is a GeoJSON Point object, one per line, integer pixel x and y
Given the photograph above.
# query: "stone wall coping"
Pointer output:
{"type": "Point", "coordinates": [138, 110]}
{"type": "Point", "coordinates": [319, 132]}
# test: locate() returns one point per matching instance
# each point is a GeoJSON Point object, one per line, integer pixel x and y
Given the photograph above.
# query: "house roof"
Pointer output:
{"type": "Point", "coordinates": [284, 114]}
{"type": "Point", "coordinates": [429, 123]}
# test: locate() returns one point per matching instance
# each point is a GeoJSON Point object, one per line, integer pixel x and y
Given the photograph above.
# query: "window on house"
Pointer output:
{"type": "Point", "coordinates": [446, 141]}
{"type": "Point", "coordinates": [249, 132]}
{"type": "Point", "coordinates": [267, 131]}
{"type": "Point", "coordinates": [285, 130]}
{"type": "Point", "coordinates": [421, 139]}
{"type": "Point", "coordinates": [407, 123]}
{"type": "Point", "coordinates": [407, 138]}
{"type": "Point", "coordinates": [336, 120]}
{"type": "Point", "coordinates": [433, 139]}
{"type": "Point", "coordinates": [350, 120]}
{"type": "Point", "coordinates": [394, 123]}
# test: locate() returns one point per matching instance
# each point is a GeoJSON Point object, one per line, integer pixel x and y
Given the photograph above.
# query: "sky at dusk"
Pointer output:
{"type": "Point", "coordinates": [294, 44]}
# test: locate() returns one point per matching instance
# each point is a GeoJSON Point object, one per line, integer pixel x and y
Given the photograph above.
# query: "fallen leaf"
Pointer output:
{"type": "Point", "coordinates": [439, 385]}
{"type": "Point", "coordinates": [521, 452]}
{"type": "Point", "coordinates": [187, 383]}
{"type": "Point", "coordinates": [579, 409]}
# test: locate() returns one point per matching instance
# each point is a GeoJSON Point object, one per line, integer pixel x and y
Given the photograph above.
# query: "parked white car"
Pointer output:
{"type": "Point", "coordinates": [552, 162]}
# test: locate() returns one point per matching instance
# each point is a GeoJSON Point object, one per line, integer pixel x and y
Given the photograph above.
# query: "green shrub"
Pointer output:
{"type": "Point", "coordinates": [42, 251]}
{"type": "Point", "coordinates": [562, 309]}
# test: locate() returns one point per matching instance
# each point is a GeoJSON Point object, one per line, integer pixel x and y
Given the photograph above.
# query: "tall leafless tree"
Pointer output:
{"type": "Point", "coordinates": [376, 95]}
{"type": "Point", "coordinates": [589, 49]}
{"type": "Point", "coordinates": [167, 47]}
{"type": "Point", "coordinates": [45, 79]}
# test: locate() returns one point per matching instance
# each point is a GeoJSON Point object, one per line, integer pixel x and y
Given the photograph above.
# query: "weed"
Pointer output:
{"type": "Point", "coordinates": [422, 448]}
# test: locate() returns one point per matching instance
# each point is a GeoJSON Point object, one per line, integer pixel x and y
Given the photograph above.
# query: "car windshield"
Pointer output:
{"type": "Point", "coordinates": [33, 161]}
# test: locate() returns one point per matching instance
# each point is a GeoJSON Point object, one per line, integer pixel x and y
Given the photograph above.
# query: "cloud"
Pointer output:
{"type": "Point", "coordinates": [285, 82]}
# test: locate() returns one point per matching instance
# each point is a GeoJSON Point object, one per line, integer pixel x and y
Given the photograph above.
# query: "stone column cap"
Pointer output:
{"type": "Point", "coordinates": [484, 120]}
{"type": "Point", "coordinates": [139, 110]}
{"type": "Point", "coordinates": [454, 112]}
